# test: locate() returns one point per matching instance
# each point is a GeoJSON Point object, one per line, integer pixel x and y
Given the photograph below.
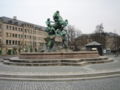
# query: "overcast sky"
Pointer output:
{"type": "Point", "coordinates": [83, 14]}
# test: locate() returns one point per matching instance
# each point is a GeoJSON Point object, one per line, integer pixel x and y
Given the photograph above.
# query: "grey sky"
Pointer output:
{"type": "Point", "coordinates": [83, 14]}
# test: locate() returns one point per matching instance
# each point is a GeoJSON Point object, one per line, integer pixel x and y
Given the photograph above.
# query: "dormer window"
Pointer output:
{"type": "Point", "coordinates": [10, 21]}
{"type": "Point", "coordinates": [16, 23]}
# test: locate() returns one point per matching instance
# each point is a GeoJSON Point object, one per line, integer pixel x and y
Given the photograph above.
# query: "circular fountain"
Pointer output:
{"type": "Point", "coordinates": [53, 55]}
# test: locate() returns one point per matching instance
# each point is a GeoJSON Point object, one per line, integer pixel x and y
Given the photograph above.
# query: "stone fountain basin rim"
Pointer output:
{"type": "Point", "coordinates": [80, 52]}
{"type": "Point", "coordinates": [67, 59]}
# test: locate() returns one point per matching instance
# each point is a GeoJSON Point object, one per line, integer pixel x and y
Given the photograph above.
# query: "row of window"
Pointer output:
{"type": "Point", "coordinates": [22, 36]}
{"type": "Point", "coordinates": [14, 28]}
{"type": "Point", "coordinates": [9, 27]}
{"type": "Point", "coordinates": [15, 42]}
{"type": "Point", "coordinates": [12, 42]}
{"type": "Point", "coordinates": [28, 25]}
{"type": "Point", "coordinates": [23, 24]}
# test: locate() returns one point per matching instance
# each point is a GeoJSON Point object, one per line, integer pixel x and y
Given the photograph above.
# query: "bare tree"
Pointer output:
{"type": "Point", "coordinates": [99, 28]}
{"type": "Point", "coordinates": [72, 35]}
{"type": "Point", "coordinates": [116, 43]}
{"type": "Point", "coordinates": [82, 40]}
{"type": "Point", "coordinates": [99, 35]}
{"type": "Point", "coordinates": [78, 33]}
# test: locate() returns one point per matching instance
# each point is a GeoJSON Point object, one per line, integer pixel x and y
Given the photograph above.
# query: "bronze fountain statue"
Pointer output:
{"type": "Point", "coordinates": [56, 28]}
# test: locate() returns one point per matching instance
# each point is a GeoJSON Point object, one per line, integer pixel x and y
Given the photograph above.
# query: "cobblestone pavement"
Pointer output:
{"type": "Point", "coordinates": [42, 70]}
{"type": "Point", "coordinates": [111, 83]}
{"type": "Point", "coordinates": [96, 84]}
{"type": "Point", "coordinates": [115, 65]}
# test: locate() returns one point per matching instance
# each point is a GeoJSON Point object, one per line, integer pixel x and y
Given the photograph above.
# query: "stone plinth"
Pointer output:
{"type": "Point", "coordinates": [59, 55]}
{"type": "Point", "coordinates": [57, 58]}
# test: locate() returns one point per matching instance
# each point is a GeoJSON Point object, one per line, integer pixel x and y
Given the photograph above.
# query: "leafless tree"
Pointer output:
{"type": "Point", "coordinates": [116, 43]}
{"type": "Point", "coordinates": [99, 35]}
{"type": "Point", "coordinates": [73, 33]}
{"type": "Point", "coordinates": [99, 28]}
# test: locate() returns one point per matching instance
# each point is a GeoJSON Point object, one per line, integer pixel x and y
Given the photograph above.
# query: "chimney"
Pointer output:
{"type": "Point", "coordinates": [15, 17]}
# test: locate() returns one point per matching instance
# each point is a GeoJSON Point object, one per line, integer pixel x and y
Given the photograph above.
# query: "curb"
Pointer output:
{"type": "Point", "coordinates": [59, 77]}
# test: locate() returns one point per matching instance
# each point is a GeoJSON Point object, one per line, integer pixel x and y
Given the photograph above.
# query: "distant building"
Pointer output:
{"type": "Point", "coordinates": [17, 36]}
{"type": "Point", "coordinates": [109, 41]}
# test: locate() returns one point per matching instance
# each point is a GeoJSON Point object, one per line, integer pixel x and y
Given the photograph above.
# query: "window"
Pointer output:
{"type": "Point", "coordinates": [19, 35]}
{"type": "Point", "coordinates": [13, 42]}
{"type": "Point", "coordinates": [25, 36]}
{"type": "Point", "coordinates": [16, 28]}
{"type": "Point", "coordinates": [10, 27]}
{"type": "Point", "coordinates": [9, 42]}
{"type": "Point", "coordinates": [18, 42]}
{"type": "Point", "coordinates": [21, 29]}
{"type": "Point", "coordinates": [6, 42]}
{"type": "Point", "coordinates": [16, 23]}
{"type": "Point", "coordinates": [13, 35]}
{"type": "Point", "coordinates": [10, 21]}
{"type": "Point", "coordinates": [16, 35]}
{"type": "Point", "coordinates": [13, 28]}
{"type": "Point", "coordinates": [7, 27]}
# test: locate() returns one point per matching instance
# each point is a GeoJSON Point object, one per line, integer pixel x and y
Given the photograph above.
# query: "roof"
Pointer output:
{"type": "Point", "coordinates": [20, 23]}
{"type": "Point", "coordinates": [94, 43]}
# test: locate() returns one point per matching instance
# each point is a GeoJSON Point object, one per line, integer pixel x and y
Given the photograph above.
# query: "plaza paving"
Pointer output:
{"type": "Point", "coordinates": [108, 83]}
{"type": "Point", "coordinates": [61, 70]}
{"type": "Point", "coordinates": [96, 84]}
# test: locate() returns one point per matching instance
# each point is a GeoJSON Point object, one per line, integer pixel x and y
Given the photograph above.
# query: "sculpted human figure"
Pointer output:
{"type": "Point", "coordinates": [56, 29]}
{"type": "Point", "coordinates": [48, 23]}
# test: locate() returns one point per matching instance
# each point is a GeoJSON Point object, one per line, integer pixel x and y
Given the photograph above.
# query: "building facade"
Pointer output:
{"type": "Point", "coordinates": [17, 36]}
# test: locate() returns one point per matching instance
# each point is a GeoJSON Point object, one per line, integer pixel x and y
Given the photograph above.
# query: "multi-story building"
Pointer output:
{"type": "Point", "coordinates": [17, 36]}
